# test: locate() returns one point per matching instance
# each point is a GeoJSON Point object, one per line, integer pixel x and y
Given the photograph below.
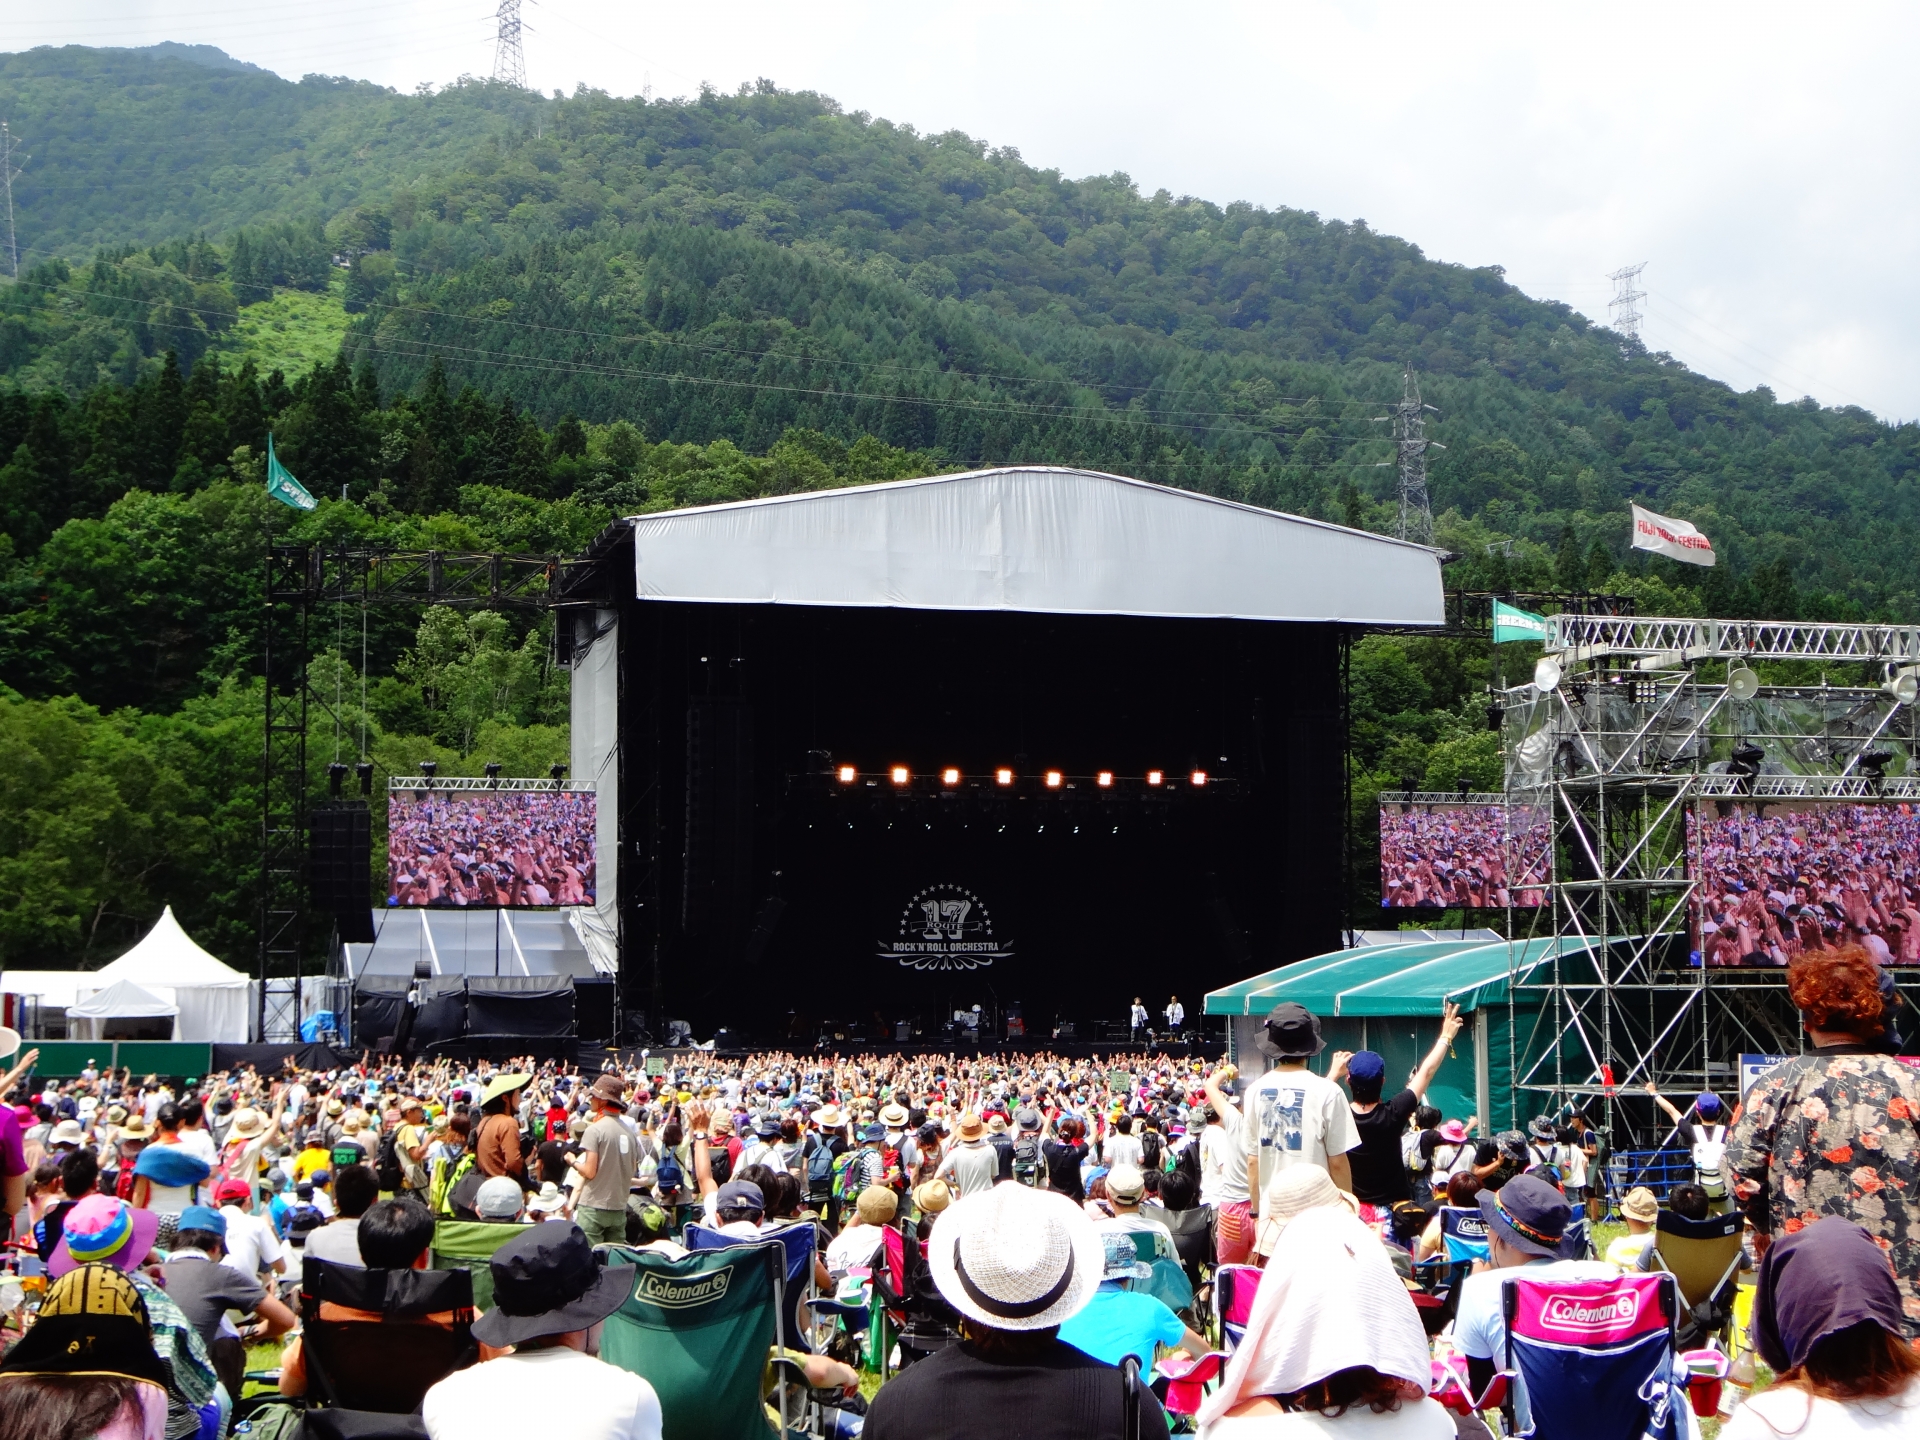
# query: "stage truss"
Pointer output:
{"type": "Point", "coordinates": [1641, 725]}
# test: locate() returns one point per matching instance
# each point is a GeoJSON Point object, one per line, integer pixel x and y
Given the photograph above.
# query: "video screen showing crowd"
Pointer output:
{"type": "Point", "coordinates": [487, 849]}
{"type": "Point", "coordinates": [1458, 855]}
{"type": "Point", "coordinates": [1774, 880]}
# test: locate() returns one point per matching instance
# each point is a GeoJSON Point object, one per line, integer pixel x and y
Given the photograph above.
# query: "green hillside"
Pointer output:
{"type": "Point", "coordinates": [548, 311]}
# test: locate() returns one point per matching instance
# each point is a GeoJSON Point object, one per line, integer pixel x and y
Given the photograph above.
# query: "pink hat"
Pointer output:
{"type": "Point", "coordinates": [103, 1230]}
{"type": "Point", "coordinates": [1453, 1132]}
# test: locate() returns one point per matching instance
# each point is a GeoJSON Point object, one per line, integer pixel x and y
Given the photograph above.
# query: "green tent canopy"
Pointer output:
{"type": "Point", "coordinates": [1389, 999]}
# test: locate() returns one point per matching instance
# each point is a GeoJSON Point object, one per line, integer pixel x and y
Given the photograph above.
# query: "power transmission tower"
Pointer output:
{"type": "Point", "coordinates": [509, 60]}
{"type": "Point", "coordinates": [7, 171]}
{"type": "Point", "coordinates": [1410, 445]}
{"type": "Point", "coordinates": [1624, 308]}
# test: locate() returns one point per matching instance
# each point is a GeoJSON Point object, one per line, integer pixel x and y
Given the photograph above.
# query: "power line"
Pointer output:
{"type": "Point", "coordinates": [1623, 310]}
{"type": "Point", "coordinates": [7, 171]}
{"type": "Point", "coordinates": [509, 60]}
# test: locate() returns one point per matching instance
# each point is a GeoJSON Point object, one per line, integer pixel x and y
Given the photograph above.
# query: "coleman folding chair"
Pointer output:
{"type": "Point", "coordinates": [797, 1248]}
{"type": "Point", "coordinates": [1234, 1287]}
{"type": "Point", "coordinates": [1596, 1357]}
{"type": "Point", "coordinates": [1703, 1256]}
{"type": "Point", "coordinates": [469, 1245]}
{"type": "Point", "coordinates": [375, 1341]}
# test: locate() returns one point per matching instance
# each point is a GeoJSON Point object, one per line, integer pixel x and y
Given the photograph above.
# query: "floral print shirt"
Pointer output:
{"type": "Point", "coordinates": [1833, 1133]}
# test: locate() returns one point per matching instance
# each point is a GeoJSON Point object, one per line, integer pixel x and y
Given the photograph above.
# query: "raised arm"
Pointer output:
{"type": "Point", "coordinates": [1450, 1024]}
{"type": "Point", "coordinates": [1665, 1104]}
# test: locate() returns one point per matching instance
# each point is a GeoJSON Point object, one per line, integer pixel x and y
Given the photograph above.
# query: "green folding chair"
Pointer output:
{"type": "Point", "coordinates": [468, 1245]}
{"type": "Point", "coordinates": [699, 1330]}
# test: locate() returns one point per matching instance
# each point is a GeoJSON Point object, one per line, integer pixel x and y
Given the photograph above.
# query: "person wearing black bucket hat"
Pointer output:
{"type": "Point", "coordinates": [1525, 1219]}
{"type": "Point", "coordinates": [549, 1297]}
{"type": "Point", "coordinates": [1290, 1115]}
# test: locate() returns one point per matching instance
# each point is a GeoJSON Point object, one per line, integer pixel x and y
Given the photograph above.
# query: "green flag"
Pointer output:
{"type": "Point", "coordinates": [1512, 623]}
{"type": "Point", "coordinates": [282, 486]}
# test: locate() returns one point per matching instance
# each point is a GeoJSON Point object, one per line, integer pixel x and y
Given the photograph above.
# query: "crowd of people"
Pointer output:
{"type": "Point", "coordinates": [1061, 1221]}
{"type": "Point", "coordinates": [1439, 856]}
{"type": "Point", "coordinates": [491, 848]}
{"type": "Point", "coordinates": [1776, 879]}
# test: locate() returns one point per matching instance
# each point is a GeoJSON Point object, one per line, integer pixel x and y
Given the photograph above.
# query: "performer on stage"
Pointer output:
{"type": "Point", "coordinates": [1176, 1015]}
{"type": "Point", "coordinates": [1138, 1020]}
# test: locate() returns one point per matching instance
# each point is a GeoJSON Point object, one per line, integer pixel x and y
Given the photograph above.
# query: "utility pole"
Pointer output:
{"type": "Point", "coordinates": [7, 171]}
{"type": "Point", "coordinates": [1624, 308]}
{"type": "Point", "coordinates": [509, 60]}
{"type": "Point", "coordinates": [1410, 446]}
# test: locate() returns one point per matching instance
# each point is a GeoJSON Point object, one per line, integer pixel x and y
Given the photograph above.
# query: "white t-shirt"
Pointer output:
{"type": "Point", "coordinates": [1480, 1326]}
{"type": "Point", "coordinates": [1295, 1117]}
{"type": "Point", "coordinates": [1119, 1149]}
{"type": "Point", "coordinates": [252, 1247]}
{"type": "Point", "coordinates": [337, 1241]}
{"type": "Point", "coordinates": [1223, 1167]}
{"type": "Point", "coordinates": [1423, 1420]}
{"type": "Point", "coordinates": [1785, 1415]}
{"type": "Point", "coordinates": [524, 1391]}
{"type": "Point", "coordinates": [855, 1245]}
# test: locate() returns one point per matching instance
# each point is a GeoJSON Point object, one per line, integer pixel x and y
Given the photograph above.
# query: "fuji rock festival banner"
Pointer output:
{"type": "Point", "coordinates": [1675, 539]}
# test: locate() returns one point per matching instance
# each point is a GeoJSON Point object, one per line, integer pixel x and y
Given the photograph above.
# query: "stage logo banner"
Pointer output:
{"type": "Point", "coordinates": [1510, 622]}
{"type": "Point", "coordinates": [945, 927]}
{"type": "Point", "coordinates": [1675, 539]}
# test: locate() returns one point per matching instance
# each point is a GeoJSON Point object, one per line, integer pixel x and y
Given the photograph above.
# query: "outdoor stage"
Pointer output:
{"type": "Point", "coordinates": [1033, 741]}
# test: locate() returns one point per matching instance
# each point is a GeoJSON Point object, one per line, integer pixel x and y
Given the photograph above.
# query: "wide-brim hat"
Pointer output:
{"type": "Point", "coordinates": [1527, 1213]}
{"type": "Point", "coordinates": [971, 1127]}
{"type": "Point", "coordinates": [1016, 1258]}
{"type": "Point", "coordinates": [106, 1231]}
{"type": "Point", "coordinates": [609, 1086]}
{"type": "Point", "coordinates": [67, 1132]}
{"type": "Point", "coordinates": [10, 1042]}
{"type": "Point", "coordinates": [1454, 1132]}
{"type": "Point", "coordinates": [92, 1321]}
{"type": "Point", "coordinates": [1540, 1128]}
{"type": "Point", "coordinates": [830, 1117]}
{"type": "Point", "coordinates": [894, 1117]}
{"type": "Point", "coordinates": [546, 1281]}
{"type": "Point", "coordinates": [1641, 1205]}
{"type": "Point", "coordinates": [1292, 1032]}
{"type": "Point", "coordinates": [503, 1085]}
{"type": "Point", "coordinates": [247, 1123]}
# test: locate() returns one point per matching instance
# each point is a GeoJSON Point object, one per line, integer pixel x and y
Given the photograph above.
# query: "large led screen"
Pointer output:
{"type": "Point", "coordinates": [490, 849]}
{"type": "Point", "coordinates": [1454, 855]}
{"type": "Point", "coordinates": [1775, 877]}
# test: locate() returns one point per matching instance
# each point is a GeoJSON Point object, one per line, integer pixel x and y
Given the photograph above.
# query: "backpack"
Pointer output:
{"type": "Point", "coordinates": [720, 1160]}
{"type": "Point", "coordinates": [667, 1174]}
{"type": "Point", "coordinates": [647, 1172]}
{"type": "Point", "coordinates": [386, 1163]}
{"type": "Point", "coordinates": [892, 1172]}
{"type": "Point", "coordinates": [1708, 1152]}
{"type": "Point", "coordinates": [1150, 1149]}
{"type": "Point", "coordinates": [1026, 1161]}
{"type": "Point", "coordinates": [819, 1166]}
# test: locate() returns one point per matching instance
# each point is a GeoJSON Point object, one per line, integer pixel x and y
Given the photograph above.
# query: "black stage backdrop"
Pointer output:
{"type": "Point", "coordinates": [760, 895]}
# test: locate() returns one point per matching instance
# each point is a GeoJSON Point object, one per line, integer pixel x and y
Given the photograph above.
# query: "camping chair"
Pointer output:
{"type": "Point", "coordinates": [906, 1307]}
{"type": "Point", "coordinates": [1464, 1229]}
{"type": "Point", "coordinates": [1596, 1357]}
{"type": "Point", "coordinates": [1169, 1284]}
{"type": "Point", "coordinates": [1703, 1256]}
{"type": "Point", "coordinates": [698, 1330]}
{"type": "Point", "coordinates": [468, 1245]}
{"type": "Point", "coordinates": [387, 1358]}
{"type": "Point", "coordinates": [797, 1245]}
{"type": "Point", "coordinates": [1438, 1299]}
{"type": "Point", "coordinates": [1234, 1287]}
{"type": "Point", "coordinates": [1193, 1241]}
{"type": "Point", "coordinates": [1575, 1242]}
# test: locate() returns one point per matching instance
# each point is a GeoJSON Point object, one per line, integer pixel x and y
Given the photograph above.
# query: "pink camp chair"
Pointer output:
{"type": "Point", "coordinates": [1234, 1287]}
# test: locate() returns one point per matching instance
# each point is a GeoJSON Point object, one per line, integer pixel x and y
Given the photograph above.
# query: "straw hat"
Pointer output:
{"type": "Point", "coordinates": [930, 1197]}
{"type": "Point", "coordinates": [830, 1117]}
{"type": "Point", "coordinates": [1640, 1205]}
{"type": "Point", "coordinates": [249, 1122]}
{"type": "Point", "coordinates": [894, 1116]}
{"type": "Point", "coordinates": [1015, 1258]}
{"type": "Point", "coordinates": [877, 1204]}
{"type": "Point", "coordinates": [971, 1126]}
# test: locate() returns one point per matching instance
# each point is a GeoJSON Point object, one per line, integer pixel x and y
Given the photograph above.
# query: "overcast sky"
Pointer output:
{"type": "Point", "coordinates": [1760, 159]}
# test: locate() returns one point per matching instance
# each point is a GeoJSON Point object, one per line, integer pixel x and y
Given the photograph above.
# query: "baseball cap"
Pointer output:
{"type": "Point", "coordinates": [204, 1217]}
{"type": "Point", "coordinates": [1366, 1065]}
{"type": "Point", "coordinates": [498, 1199]}
{"type": "Point", "coordinates": [1125, 1183]}
{"type": "Point", "coordinates": [740, 1195]}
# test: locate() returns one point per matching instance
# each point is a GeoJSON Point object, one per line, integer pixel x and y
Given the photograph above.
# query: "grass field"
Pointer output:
{"type": "Point", "coordinates": [292, 332]}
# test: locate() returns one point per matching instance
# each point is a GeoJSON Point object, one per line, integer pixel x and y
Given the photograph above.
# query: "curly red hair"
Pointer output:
{"type": "Point", "coordinates": [1837, 990]}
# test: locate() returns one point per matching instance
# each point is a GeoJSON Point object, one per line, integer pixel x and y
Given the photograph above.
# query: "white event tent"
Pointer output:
{"type": "Point", "coordinates": [211, 996]}
{"type": "Point", "coordinates": [93, 1017]}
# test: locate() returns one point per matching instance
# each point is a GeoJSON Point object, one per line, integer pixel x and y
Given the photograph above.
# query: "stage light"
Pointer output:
{"type": "Point", "coordinates": [1742, 683]}
{"type": "Point", "coordinates": [1104, 779]}
{"type": "Point", "coordinates": [900, 774]}
{"type": "Point", "coordinates": [1199, 777]}
{"type": "Point", "coordinates": [1054, 777]}
{"type": "Point", "coordinates": [949, 776]}
{"type": "Point", "coordinates": [365, 771]}
{"type": "Point", "coordinates": [1904, 685]}
{"type": "Point", "coordinates": [848, 774]}
{"type": "Point", "coordinates": [1003, 777]}
{"type": "Point", "coordinates": [1546, 674]}
{"type": "Point", "coordinates": [336, 777]}
{"type": "Point", "coordinates": [1156, 777]}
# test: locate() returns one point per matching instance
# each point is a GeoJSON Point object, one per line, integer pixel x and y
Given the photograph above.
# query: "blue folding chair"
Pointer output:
{"type": "Point", "coordinates": [797, 1243]}
{"type": "Point", "coordinates": [1464, 1229]}
{"type": "Point", "coordinates": [1575, 1242]}
{"type": "Point", "coordinates": [1596, 1357]}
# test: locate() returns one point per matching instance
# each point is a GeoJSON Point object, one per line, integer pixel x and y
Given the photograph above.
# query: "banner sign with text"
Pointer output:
{"type": "Point", "coordinates": [1675, 539]}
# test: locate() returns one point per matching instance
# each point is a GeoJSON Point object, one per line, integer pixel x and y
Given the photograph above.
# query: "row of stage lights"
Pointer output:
{"type": "Point", "coordinates": [901, 777]}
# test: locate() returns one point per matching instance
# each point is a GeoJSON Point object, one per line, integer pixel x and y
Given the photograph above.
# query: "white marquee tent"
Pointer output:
{"type": "Point", "coordinates": [211, 996]}
{"type": "Point", "coordinates": [93, 1017]}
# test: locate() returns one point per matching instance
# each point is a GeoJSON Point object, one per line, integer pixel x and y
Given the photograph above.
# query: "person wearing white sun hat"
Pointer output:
{"type": "Point", "coordinates": [1015, 1263]}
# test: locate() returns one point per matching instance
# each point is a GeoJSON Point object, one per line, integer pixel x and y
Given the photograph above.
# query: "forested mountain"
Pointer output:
{"type": "Point", "coordinates": [551, 310]}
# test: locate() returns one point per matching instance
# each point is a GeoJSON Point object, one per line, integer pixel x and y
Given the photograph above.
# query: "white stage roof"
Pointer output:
{"type": "Point", "coordinates": [1034, 538]}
